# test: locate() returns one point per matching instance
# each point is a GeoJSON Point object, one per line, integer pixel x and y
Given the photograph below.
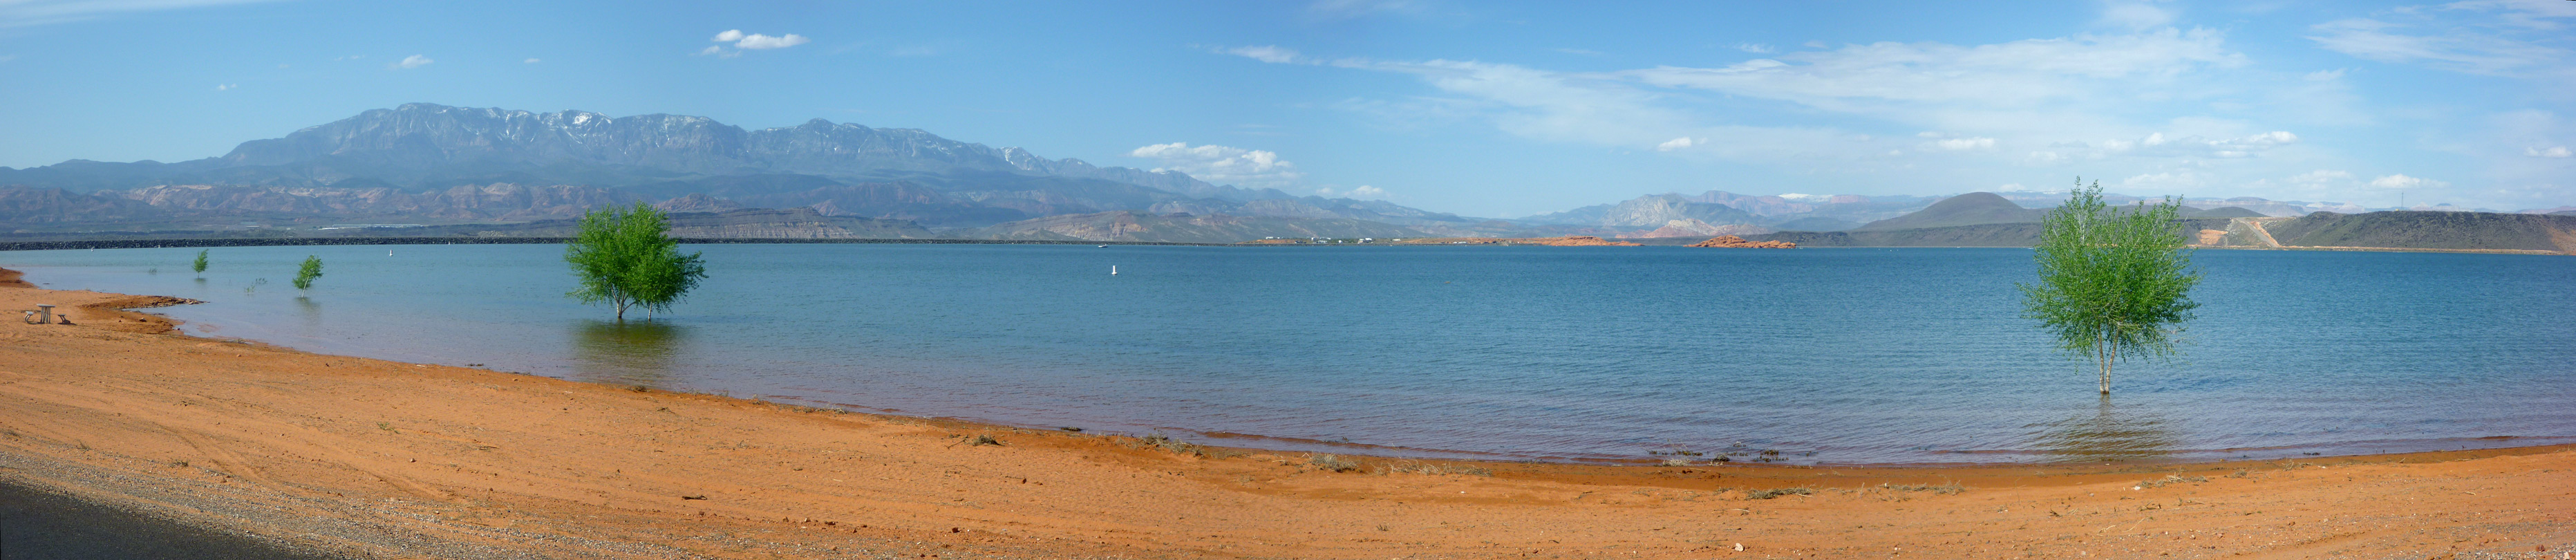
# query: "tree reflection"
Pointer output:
{"type": "Point", "coordinates": [2107, 433]}
{"type": "Point", "coordinates": [311, 312]}
{"type": "Point", "coordinates": [639, 353]}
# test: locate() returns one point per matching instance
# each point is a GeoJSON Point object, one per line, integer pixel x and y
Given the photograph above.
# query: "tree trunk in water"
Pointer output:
{"type": "Point", "coordinates": [2110, 351]}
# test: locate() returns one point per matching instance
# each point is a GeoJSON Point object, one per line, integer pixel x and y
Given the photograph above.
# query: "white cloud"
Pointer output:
{"type": "Point", "coordinates": [226, 87]}
{"type": "Point", "coordinates": [2013, 74]}
{"type": "Point", "coordinates": [23, 13]}
{"type": "Point", "coordinates": [409, 62]}
{"type": "Point", "coordinates": [1361, 192]}
{"type": "Point", "coordinates": [1755, 48]}
{"type": "Point", "coordinates": [350, 57]}
{"type": "Point", "coordinates": [2158, 145]}
{"type": "Point", "coordinates": [2135, 15]}
{"type": "Point", "coordinates": [2551, 152]}
{"type": "Point", "coordinates": [530, 61]}
{"type": "Point", "coordinates": [2169, 182]}
{"type": "Point", "coordinates": [2521, 38]}
{"type": "Point", "coordinates": [2322, 177]}
{"type": "Point", "coordinates": [750, 41]}
{"type": "Point", "coordinates": [2401, 181]}
{"type": "Point", "coordinates": [1223, 164]}
{"type": "Point", "coordinates": [1963, 144]}
{"type": "Point", "coordinates": [1344, 9]}
{"type": "Point", "coordinates": [759, 42]}
{"type": "Point", "coordinates": [1674, 144]}
{"type": "Point", "coordinates": [1266, 53]}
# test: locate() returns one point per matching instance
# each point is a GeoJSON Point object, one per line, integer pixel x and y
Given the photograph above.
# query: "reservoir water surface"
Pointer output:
{"type": "Point", "coordinates": [1824, 355]}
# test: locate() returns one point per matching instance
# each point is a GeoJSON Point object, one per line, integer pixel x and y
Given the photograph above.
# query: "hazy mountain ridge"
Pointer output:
{"type": "Point", "coordinates": [1989, 220]}
{"type": "Point", "coordinates": [1146, 226]}
{"type": "Point", "coordinates": [432, 162]}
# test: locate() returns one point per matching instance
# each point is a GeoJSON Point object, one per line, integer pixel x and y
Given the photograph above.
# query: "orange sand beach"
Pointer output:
{"type": "Point", "coordinates": [375, 459]}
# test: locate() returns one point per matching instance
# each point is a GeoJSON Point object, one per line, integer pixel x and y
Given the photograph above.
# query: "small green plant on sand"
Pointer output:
{"type": "Point", "coordinates": [312, 269]}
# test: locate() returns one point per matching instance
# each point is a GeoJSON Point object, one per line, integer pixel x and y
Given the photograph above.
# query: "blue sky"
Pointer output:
{"type": "Point", "coordinates": [1490, 109]}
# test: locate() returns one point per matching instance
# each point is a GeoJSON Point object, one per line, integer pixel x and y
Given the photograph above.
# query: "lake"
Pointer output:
{"type": "Point", "coordinates": [1830, 356]}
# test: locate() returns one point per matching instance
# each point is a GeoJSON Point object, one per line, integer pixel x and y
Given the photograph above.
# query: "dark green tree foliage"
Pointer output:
{"type": "Point", "coordinates": [312, 269]}
{"type": "Point", "coordinates": [2114, 283]}
{"type": "Point", "coordinates": [200, 265]}
{"type": "Point", "coordinates": [625, 258]}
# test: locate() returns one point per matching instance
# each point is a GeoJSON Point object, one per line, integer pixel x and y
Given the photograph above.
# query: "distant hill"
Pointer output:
{"type": "Point", "coordinates": [1963, 210]}
{"type": "Point", "coordinates": [2222, 212]}
{"type": "Point", "coordinates": [1978, 235]}
{"type": "Point", "coordinates": [1182, 228]}
{"type": "Point", "coordinates": [2430, 230]}
{"type": "Point", "coordinates": [754, 223]}
{"type": "Point", "coordinates": [1647, 212]}
{"type": "Point", "coordinates": [2390, 230]}
{"type": "Point", "coordinates": [1816, 223]}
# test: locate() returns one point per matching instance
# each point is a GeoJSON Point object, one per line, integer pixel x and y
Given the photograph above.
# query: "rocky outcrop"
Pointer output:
{"type": "Point", "coordinates": [1733, 242]}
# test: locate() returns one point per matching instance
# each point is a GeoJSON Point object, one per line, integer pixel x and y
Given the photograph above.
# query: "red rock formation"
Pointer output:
{"type": "Point", "coordinates": [1577, 241]}
{"type": "Point", "coordinates": [1733, 242]}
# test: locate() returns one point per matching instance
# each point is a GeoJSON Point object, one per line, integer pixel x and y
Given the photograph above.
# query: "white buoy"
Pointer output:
{"type": "Point", "coordinates": [1113, 270]}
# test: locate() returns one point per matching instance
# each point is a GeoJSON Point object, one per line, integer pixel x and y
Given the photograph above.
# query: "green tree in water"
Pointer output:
{"type": "Point", "coordinates": [626, 258]}
{"type": "Point", "coordinates": [312, 269]}
{"type": "Point", "coordinates": [2114, 283]}
{"type": "Point", "coordinates": [200, 264]}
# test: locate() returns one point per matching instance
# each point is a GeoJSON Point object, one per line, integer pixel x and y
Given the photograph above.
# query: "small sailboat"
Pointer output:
{"type": "Point", "coordinates": [1113, 270]}
{"type": "Point", "coordinates": [1104, 246]}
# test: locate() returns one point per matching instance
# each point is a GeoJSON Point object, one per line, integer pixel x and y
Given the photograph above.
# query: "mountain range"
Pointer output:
{"type": "Point", "coordinates": [496, 171]}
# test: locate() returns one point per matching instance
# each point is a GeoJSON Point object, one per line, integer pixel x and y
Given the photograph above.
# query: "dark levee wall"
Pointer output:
{"type": "Point", "coordinates": [36, 524]}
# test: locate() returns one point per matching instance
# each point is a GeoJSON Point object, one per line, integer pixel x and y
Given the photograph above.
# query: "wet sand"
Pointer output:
{"type": "Point", "coordinates": [369, 458]}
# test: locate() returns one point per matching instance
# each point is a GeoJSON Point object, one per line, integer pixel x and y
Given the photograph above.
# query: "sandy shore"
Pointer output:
{"type": "Point", "coordinates": [377, 459]}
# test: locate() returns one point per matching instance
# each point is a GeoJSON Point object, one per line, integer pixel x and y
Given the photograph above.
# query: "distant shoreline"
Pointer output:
{"type": "Point", "coordinates": [320, 241]}
{"type": "Point", "coordinates": [333, 241]}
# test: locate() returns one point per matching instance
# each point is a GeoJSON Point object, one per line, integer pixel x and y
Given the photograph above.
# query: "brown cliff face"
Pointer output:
{"type": "Point", "coordinates": [1733, 242]}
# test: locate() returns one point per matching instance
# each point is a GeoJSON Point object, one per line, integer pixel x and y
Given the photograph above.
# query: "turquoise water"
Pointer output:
{"type": "Point", "coordinates": [1826, 355]}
